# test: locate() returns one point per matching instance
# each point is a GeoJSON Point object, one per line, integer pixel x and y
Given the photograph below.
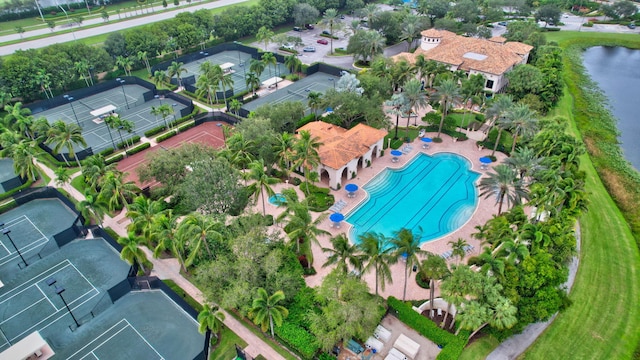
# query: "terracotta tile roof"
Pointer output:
{"type": "Point", "coordinates": [498, 39]}
{"type": "Point", "coordinates": [339, 145]}
{"type": "Point", "coordinates": [467, 53]}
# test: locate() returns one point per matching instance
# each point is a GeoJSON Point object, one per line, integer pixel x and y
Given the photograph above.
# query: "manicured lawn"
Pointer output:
{"type": "Point", "coordinates": [79, 184]}
{"type": "Point", "coordinates": [479, 349]}
{"type": "Point", "coordinates": [226, 347]}
{"type": "Point", "coordinates": [602, 322]}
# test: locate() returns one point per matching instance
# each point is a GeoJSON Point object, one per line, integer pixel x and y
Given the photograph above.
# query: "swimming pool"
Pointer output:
{"type": "Point", "coordinates": [436, 193]}
{"type": "Point", "coordinates": [277, 199]}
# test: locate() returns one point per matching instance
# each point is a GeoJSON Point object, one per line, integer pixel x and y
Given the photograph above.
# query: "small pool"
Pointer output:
{"type": "Point", "coordinates": [277, 199]}
{"type": "Point", "coordinates": [437, 193]}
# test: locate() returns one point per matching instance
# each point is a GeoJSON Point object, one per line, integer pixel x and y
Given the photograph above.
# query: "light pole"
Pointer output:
{"type": "Point", "coordinates": [70, 99]}
{"type": "Point", "coordinates": [7, 232]}
{"type": "Point", "coordinates": [59, 291]}
{"type": "Point", "coordinates": [204, 55]}
{"type": "Point", "coordinates": [159, 99]}
{"type": "Point", "coordinates": [122, 81]}
{"type": "Point", "coordinates": [173, 107]}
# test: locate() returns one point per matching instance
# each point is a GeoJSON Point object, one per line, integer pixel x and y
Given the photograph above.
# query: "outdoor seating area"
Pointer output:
{"type": "Point", "coordinates": [407, 149]}
{"type": "Point", "coordinates": [338, 206]}
{"type": "Point", "coordinates": [449, 253]}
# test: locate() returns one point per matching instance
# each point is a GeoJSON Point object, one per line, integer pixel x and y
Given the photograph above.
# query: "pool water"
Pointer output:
{"type": "Point", "coordinates": [277, 199]}
{"type": "Point", "coordinates": [435, 193]}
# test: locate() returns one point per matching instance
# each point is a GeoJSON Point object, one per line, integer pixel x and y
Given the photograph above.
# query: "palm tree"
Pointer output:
{"type": "Point", "coordinates": [410, 30]}
{"type": "Point", "coordinates": [211, 319]}
{"type": "Point", "coordinates": [142, 56]}
{"type": "Point", "coordinates": [164, 231]}
{"type": "Point", "coordinates": [490, 263]}
{"type": "Point", "coordinates": [64, 135]}
{"type": "Point", "coordinates": [447, 94]}
{"type": "Point", "coordinates": [17, 116]}
{"type": "Point", "coordinates": [330, 19]}
{"type": "Point", "coordinates": [164, 111]}
{"type": "Point", "coordinates": [257, 67]}
{"type": "Point", "coordinates": [343, 254]}
{"type": "Point", "coordinates": [473, 316]}
{"type": "Point", "coordinates": [293, 63]}
{"type": "Point", "coordinates": [264, 35]}
{"type": "Point", "coordinates": [373, 44]}
{"type": "Point", "coordinates": [301, 226]}
{"type": "Point", "coordinates": [314, 99]}
{"type": "Point", "coordinates": [125, 63]}
{"type": "Point", "coordinates": [158, 77]}
{"type": "Point", "coordinates": [115, 190]}
{"type": "Point", "coordinates": [94, 169]}
{"type": "Point", "coordinates": [201, 226]}
{"type": "Point", "coordinates": [523, 122]}
{"type": "Point", "coordinates": [306, 153]}
{"type": "Point", "coordinates": [92, 208]}
{"type": "Point", "coordinates": [407, 246]}
{"type": "Point", "coordinates": [500, 105]}
{"type": "Point", "coordinates": [270, 59]}
{"type": "Point", "coordinates": [398, 105]}
{"type": "Point", "coordinates": [82, 67]}
{"type": "Point", "coordinates": [176, 69]}
{"type": "Point", "coordinates": [435, 268]}
{"type": "Point", "coordinates": [142, 211]}
{"type": "Point", "coordinates": [207, 88]}
{"type": "Point", "coordinates": [400, 72]}
{"type": "Point", "coordinates": [416, 98]}
{"type": "Point", "coordinates": [459, 248]}
{"type": "Point", "coordinates": [266, 312]}
{"type": "Point", "coordinates": [370, 12]}
{"type": "Point", "coordinates": [219, 77]}
{"type": "Point", "coordinates": [42, 78]}
{"type": "Point", "coordinates": [526, 163]}
{"type": "Point", "coordinates": [23, 153]}
{"type": "Point", "coordinates": [504, 185]}
{"type": "Point", "coordinates": [234, 106]}
{"type": "Point", "coordinates": [252, 80]}
{"type": "Point", "coordinates": [131, 251]}
{"type": "Point", "coordinates": [62, 177]}
{"type": "Point", "coordinates": [377, 253]}
{"type": "Point", "coordinates": [261, 182]}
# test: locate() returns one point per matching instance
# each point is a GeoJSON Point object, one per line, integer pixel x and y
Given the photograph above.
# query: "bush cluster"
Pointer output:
{"type": "Point", "coordinates": [298, 339]}
{"type": "Point", "coordinates": [106, 152]}
{"type": "Point", "coordinates": [114, 159]}
{"type": "Point", "coordinates": [138, 148]}
{"type": "Point", "coordinates": [164, 137]}
{"type": "Point", "coordinates": [155, 130]}
{"type": "Point", "coordinates": [126, 143]}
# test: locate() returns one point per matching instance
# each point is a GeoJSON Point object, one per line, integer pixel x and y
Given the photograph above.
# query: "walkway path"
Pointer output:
{"type": "Point", "coordinates": [170, 269]}
{"type": "Point", "coordinates": [107, 28]}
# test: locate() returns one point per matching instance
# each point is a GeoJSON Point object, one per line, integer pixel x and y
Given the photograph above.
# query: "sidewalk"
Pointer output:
{"type": "Point", "coordinates": [169, 269]}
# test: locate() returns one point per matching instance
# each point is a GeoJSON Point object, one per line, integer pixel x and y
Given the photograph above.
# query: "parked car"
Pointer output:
{"type": "Point", "coordinates": [309, 27]}
{"type": "Point", "coordinates": [323, 41]}
{"type": "Point", "coordinates": [631, 26]}
{"type": "Point", "coordinates": [326, 32]}
{"type": "Point", "coordinates": [296, 28]}
{"type": "Point", "coordinates": [309, 49]}
{"type": "Point", "coordinates": [502, 23]}
{"type": "Point", "coordinates": [288, 46]}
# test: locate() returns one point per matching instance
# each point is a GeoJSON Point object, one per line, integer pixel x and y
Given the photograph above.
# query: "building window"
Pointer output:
{"type": "Point", "coordinates": [489, 84]}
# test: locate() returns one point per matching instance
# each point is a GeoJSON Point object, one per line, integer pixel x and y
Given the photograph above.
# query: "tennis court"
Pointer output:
{"type": "Point", "coordinates": [208, 133]}
{"type": "Point", "coordinates": [6, 172]}
{"type": "Point", "coordinates": [237, 64]}
{"type": "Point", "coordinates": [127, 102]}
{"type": "Point", "coordinates": [31, 226]}
{"type": "Point", "coordinates": [297, 91]}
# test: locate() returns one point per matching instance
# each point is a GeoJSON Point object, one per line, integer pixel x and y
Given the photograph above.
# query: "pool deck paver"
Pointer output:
{"type": "Point", "coordinates": [485, 210]}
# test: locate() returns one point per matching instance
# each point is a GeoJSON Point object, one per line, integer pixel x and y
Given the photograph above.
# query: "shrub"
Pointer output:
{"type": "Point", "coordinates": [431, 118]}
{"type": "Point", "coordinates": [106, 152]}
{"type": "Point", "coordinates": [9, 193]}
{"type": "Point", "coordinates": [138, 148]}
{"type": "Point", "coordinates": [164, 137]}
{"type": "Point", "coordinates": [132, 140]}
{"type": "Point", "coordinates": [298, 339]}
{"type": "Point", "coordinates": [295, 181]}
{"type": "Point", "coordinates": [114, 159]}
{"type": "Point", "coordinates": [155, 130]}
{"type": "Point", "coordinates": [305, 120]}
{"type": "Point", "coordinates": [307, 271]}
{"type": "Point", "coordinates": [8, 205]}
{"type": "Point", "coordinates": [186, 126]}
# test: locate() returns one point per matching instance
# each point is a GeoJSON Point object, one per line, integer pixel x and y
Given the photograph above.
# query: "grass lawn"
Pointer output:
{"type": "Point", "coordinates": [79, 184]}
{"type": "Point", "coordinates": [480, 348]}
{"type": "Point", "coordinates": [226, 347]}
{"type": "Point", "coordinates": [602, 322]}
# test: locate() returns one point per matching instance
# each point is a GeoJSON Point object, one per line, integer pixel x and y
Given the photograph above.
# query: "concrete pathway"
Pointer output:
{"type": "Point", "coordinates": [107, 28]}
{"type": "Point", "coordinates": [169, 269]}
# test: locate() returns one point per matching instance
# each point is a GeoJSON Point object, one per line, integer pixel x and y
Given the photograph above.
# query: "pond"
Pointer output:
{"type": "Point", "coordinates": [616, 70]}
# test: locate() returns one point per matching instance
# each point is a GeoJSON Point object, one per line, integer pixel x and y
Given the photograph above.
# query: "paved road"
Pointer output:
{"type": "Point", "coordinates": [81, 34]}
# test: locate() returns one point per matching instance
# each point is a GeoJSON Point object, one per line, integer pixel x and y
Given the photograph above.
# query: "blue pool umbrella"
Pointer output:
{"type": "Point", "coordinates": [351, 187]}
{"type": "Point", "coordinates": [336, 217]}
{"type": "Point", "coordinates": [426, 140]}
{"type": "Point", "coordinates": [396, 152]}
{"type": "Point", "coordinates": [485, 160]}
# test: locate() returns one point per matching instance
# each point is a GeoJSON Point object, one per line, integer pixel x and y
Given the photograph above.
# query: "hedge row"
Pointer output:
{"type": "Point", "coordinates": [155, 130]}
{"type": "Point", "coordinates": [298, 339]}
{"type": "Point", "coordinates": [186, 126]}
{"type": "Point", "coordinates": [106, 152]}
{"type": "Point", "coordinates": [126, 143]}
{"type": "Point", "coordinates": [305, 120]}
{"type": "Point", "coordinates": [15, 190]}
{"type": "Point", "coordinates": [8, 206]}
{"type": "Point", "coordinates": [452, 345]}
{"type": "Point", "coordinates": [138, 148]}
{"type": "Point", "coordinates": [114, 159]}
{"type": "Point", "coordinates": [164, 137]}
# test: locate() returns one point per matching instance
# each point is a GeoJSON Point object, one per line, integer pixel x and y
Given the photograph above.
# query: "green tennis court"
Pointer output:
{"type": "Point", "coordinates": [127, 102]}
{"type": "Point", "coordinates": [6, 172]}
{"type": "Point", "coordinates": [240, 62]}
{"type": "Point", "coordinates": [298, 91]}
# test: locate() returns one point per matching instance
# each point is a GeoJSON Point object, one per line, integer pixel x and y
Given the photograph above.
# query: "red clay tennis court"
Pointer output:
{"type": "Point", "coordinates": [208, 133]}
